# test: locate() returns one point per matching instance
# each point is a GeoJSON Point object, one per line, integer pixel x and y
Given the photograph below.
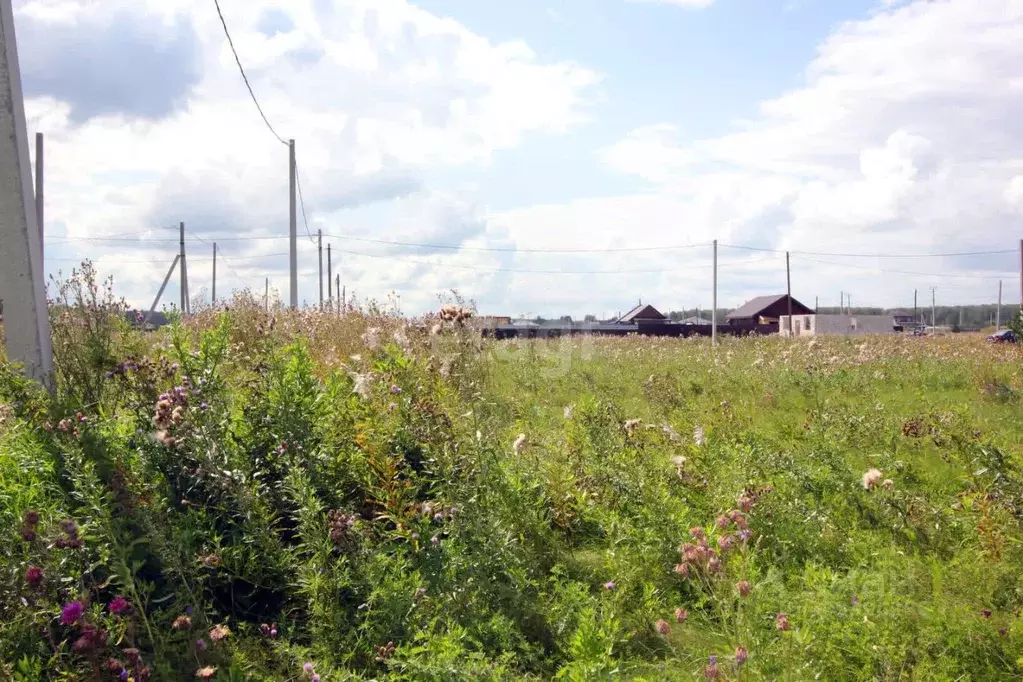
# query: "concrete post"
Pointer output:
{"type": "Point", "coordinates": [22, 284]}
{"type": "Point", "coordinates": [39, 201]}
{"type": "Point", "coordinates": [181, 257]}
{"type": "Point", "coordinates": [293, 224]}
{"type": "Point", "coordinates": [159, 294]}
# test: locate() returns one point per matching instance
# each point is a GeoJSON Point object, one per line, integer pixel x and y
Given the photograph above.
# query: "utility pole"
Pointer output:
{"type": "Point", "coordinates": [39, 201]}
{"type": "Point", "coordinates": [214, 273]}
{"type": "Point", "coordinates": [848, 307]}
{"type": "Point", "coordinates": [841, 303]}
{"type": "Point", "coordinates": [344, 297]}
{"type": "Point", "coordinates": [319, 255]}
{"type": "Point", "coordinates": [330, 280]}
{"type": "Point", "coordinates": [816, 303]}
{"type": "Point", "coordinates": [998, 313]}
{"type": "Point", "coordinates": [714, 301]}
{"type": "Point", "coordinates": [22, 282]}
{"type": "Point", "coordinates": [293, 223]}
{"type": "Point", "coordinates": [934, 325]}
{"type": "Point", "coordinates": [266, 295]}
{"type": "Point", "coordinates": [788, 289]}
{"type": "Point", "coordinates": [183, 272]}
{"type": "Point", "coordinates": [960, 317]}
{"type": "Point", "coordinates": [916, 315]}
{"type": "Point", "coordinates": [159, 294]}
{"type": "Point", "coordinates": [1021, 275]}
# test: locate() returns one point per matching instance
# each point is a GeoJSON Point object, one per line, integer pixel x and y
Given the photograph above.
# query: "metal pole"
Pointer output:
{"type": "Point", "coordinates": [181, 255]}
{"type": "Point", "coordinates": [293, 223]}
{"type": "Point", "coordinates": [998, 313]}
{"type": "Point", "coordinates": [816, 303]}
{"type": "Point", "coordinates": [156, 301]}
{"type": "Point", "coordinates": [714, 301]}
{"type": "Point", "coordinates": [214, 273]}
{"type": "Point", "coordinates": [841, 303]}
{"type": "Point", "coordinates": [319, 255]}
{"type": "Point", "coordinates": [330, 279]}
{"type": "Point", "coordinates": [39, 200]}
{"type": "Point", "coordinates": [22, 282]}
{"type": "Point", "coordinates": [788, 289]}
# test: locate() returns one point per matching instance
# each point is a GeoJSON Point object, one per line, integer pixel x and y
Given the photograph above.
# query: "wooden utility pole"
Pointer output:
{"type": "Point", "coordinates": [319, 255]}
{"type": "Point", "coordinates": [293, 223]}
{"type": "Point", "coordinates": [39, 201]}
{"type": "Point", "coordinates": [998, 310]}
{"type": "Point", "coordinates": [22, 282]}
{"type": "Point", "coordinates": [214, 273]}
{"type": "Point", "coordinates": [714, 300]}
{"type": "Point", "coordinates": [788, 289]}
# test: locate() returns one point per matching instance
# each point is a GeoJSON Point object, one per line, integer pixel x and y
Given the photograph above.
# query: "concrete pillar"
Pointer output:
{"type": "Point", "coordinates": [22, 285]}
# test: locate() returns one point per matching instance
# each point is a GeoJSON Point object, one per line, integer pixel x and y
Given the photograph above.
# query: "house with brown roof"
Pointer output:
{"type": "Point", "coordinates": [645, 313]}
{"type": "Point", "coordinates": [765, 310]}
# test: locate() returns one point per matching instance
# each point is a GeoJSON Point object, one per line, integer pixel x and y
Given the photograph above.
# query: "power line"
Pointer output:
{"type": "Point", "coordinates": [301, 202]}
{"type": "Point", "coordinates": [871, 255]}
{"type": "Point", "coordinates": [244, 77]}
{"type": "Point", "coordinates": [901, 272]}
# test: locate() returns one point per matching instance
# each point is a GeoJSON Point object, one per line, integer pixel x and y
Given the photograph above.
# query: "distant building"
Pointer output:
{"type": "Point", "coordinates": [492, 320]}
{"type": "Point", "coordinates": [765, 311]}
{"type": "Point", "coordinates": [647, 313]}
{"type": "Point", "coordinates": [903, 320]}
{"type": "Point", "coordinates": [695, 320]}
{"type": "Point", "coordinates": [836, 325]}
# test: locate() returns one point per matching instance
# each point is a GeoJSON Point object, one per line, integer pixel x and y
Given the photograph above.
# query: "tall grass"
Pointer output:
{"type": "Point", "coordinates": [249, 492]}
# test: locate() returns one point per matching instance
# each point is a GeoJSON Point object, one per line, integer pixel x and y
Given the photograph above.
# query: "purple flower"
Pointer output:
{"type": "Point", "coordinates": [200, 644]}
{"type": "Point", "coordinates": [124, 674]}
{"type": "Point", "coordinates": [71, 613]}
{"type": "Point", "coordinates": [316, 677]}
{"type": "Point", "coordinates": [741, 655]}
{"type": "Point", "coordinates": [119, 606]}
{"type": "Point", "coordinates": [396, 390]}
{"type": "Point", "coordinates": [435, 539]}
{"type": "Point", "coordinates": [308, 668]}
{"type": "Point", "coordinates": [609, 585]}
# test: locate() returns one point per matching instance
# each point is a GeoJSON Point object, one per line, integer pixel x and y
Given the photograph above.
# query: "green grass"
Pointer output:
{"type": "Point", "coordinates": [440, 508]}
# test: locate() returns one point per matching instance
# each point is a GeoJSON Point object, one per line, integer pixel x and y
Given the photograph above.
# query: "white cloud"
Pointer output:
{"type": "Point", "coordinates": [379, 95]}
{"type": "Point", "coordinates": [905, 139]}
{"type": "Point", "coordinates": [691, 4]}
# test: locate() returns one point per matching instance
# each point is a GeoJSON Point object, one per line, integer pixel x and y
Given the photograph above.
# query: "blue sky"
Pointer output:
{"type": "Point", "coordinates": [503, 129]}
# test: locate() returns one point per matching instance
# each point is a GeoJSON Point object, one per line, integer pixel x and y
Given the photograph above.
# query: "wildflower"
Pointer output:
{"type": "Point", "coordinates": [714, 565]}
{"type": "Point", "coordinates": [361, 385]}
{"type": "Point", "coordinates": [435, 539]}
{"type": "Point", "coordinates": [745, 535]}
{"type": "Point", "coordinates": [711, 672]}
{"type": "Point", "coordinates": [682, 570]}
{"type": "Point", "coordinates": [371, 338]}
{"type": "Point", "coordinates": [662, 627]}
{"type": "Point", "coordinates": [781, 622]}
{"type": "Point", "coordinates": [569, 411]}
{"type": "Point", "coordinates": [855, 600]}
{"type": "Point", "coordinates": [681, 615]}
{"type": "Point", "coordinates": [206, 673]}
{"type": "Point", "coordinates": [316, 677]}
{"type": "Point", "coordinates": [986, 613]}
{"type": "Point", "coordinates": [419, 594]}
{"type": "Point", "coordinates": [725, 542]}
{"type": "Point", "coordinates": [31, 517]}
{"type": "Point", "coordinates": [200, 644]}
{"type": "Point", "coordinates": [737, 518]}
{"type": "Point", "coordinates": [888, 484]}
{"type": "Point", "coordinates": [610, 585]}
{"type": "Point", "coordinates": [520, 441]}
{"type": "Point", "coordinates": [182, 623]}
{"type": "Point", "coordinates": [745, 502]}
{"type": "Point", "coordinates": [219, 632]}
{"type": "Point", "coordinates": [34, 576]}
{"type": "Point", "coordinates": [741, 655]}
{"type": "Point", "coordinates": [28, 534]}
{"type": "Point", "coordinates": [395, 389]}
{"type": "Point", "coordinates": [697, 532]}
{"type": "Point", "coordinates": [119, 606]}
{"type": "Point", "coordinates": [308, 668]}
{"type": "Point", "coordinates": [631, 424]}
{"type": "Point", "coordinates": [722, 522]}
{"type": "Point", "coordinates": [744, 588]}
{"type": "Point", "coordinates": [71, 612]}
{"type": "Point", "coordinates": [871, 478]}
{"type": "Point", "coordinates": [698, 437]}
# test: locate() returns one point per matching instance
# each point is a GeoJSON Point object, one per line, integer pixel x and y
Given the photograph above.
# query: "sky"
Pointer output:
{"type": "Point", "coordinates": [538, 157]}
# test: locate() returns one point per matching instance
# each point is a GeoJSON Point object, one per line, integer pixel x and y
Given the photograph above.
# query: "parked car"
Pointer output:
{"type": "Point", "coordinates": [1004, 336]}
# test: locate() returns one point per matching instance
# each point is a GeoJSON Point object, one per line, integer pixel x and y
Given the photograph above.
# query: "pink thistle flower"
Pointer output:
{"type": "Point", "coordinates": [119, 606]}
{"type": "Point", "coordinates": [781, 622]}
{"type": "Point", "coordinates": [725, 542]}
{"type": "Point", "coordinates": [741, 655]}
{"type": "Point", "coordinates": [34, 576]}
{"type": "Point", "coordinates": [220, 632]}
{"type": "Point", "coordinates": [711, 672]}
{"type": "Point", "coordinates": [681, 615]}
{"type": "Point", "coordinates": [697, 532]}
{"type": "Point", "coordinates": [662, 627]}
{"type": "Point", "coordinates": [71, 612]}
{"type": "Point", "coordinates": [181, 623]}
{"type": "Point", "coordinates": [682, 570]}
{"type": "Point", "coordinates": [610, 585]}
{"type": "Point", "coordinates": [871, 477]}
{"type": "Point", "coordinates": [744, 588]}
{"type": "Point", "coordinates": [722, 522]}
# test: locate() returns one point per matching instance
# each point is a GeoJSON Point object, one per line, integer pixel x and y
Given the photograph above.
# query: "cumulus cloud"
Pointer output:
{"type": "Point", "coordinates": [905, 139]}
{"type": "Point", "coordinates": [379, 94]}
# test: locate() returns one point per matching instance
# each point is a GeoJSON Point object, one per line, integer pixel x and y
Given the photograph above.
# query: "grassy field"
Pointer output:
{"type": "Point", "coordinates": [297, 496]}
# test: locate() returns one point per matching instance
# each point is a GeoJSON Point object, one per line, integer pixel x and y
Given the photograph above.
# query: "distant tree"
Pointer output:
{"type": "Point", "coordinates": [590, 318]}
{"type": "Point", "coordinates": [566, 318]}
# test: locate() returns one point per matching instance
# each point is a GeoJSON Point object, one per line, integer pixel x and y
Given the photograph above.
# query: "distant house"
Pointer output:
{"type": "Point", "coordinates": [523, 323]}
{"type": "Point", "coordinates": [765, 310]}
{"type": "Point", "coordinates": [695, 320]}
{"type": "Point", "coordinates": [646, 313]}
{"type": "Point", "coordinates": [836, 325]}
{"type": "Point", "coordinates": [903, 320]}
